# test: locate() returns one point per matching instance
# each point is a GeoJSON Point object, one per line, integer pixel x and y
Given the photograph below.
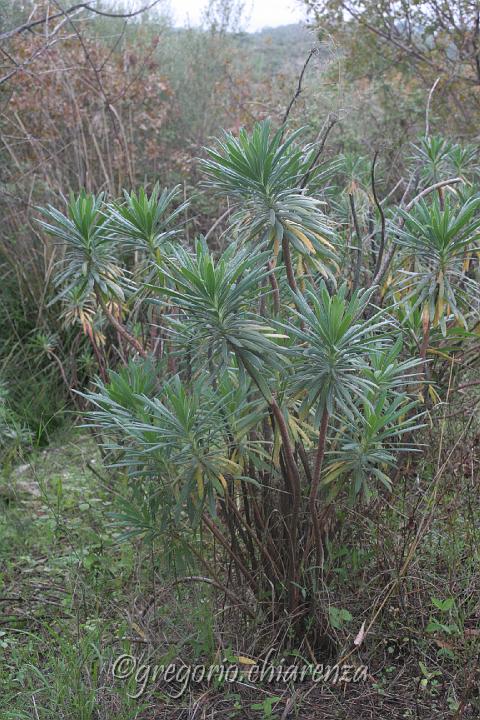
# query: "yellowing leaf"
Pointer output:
{"type": "Point", "coordinates": [439, 310]}
{"type": "Point", "coordinates": [434, 351]}
{"type": "Point", "coordinates": [230, 466]}
{"type": "Point", "coordinates": [434, 395]}
{"type": "Point", "coordinates": [276, 247]}
{"type": "Point", "coordinates": [298, 429]}
{"type": "Point", "coordinates": [425, 319]}
{"type": "Point", "coordinates": [300, 266]}
{"type": "Point", "coordinates": [246, 660]}
{"type": "Point", "coordinates": [301, 236]}
{"type": "Point", "coordinates": [334, 471]}
{"type": "Point", "coordinates": [440, 300]}
{"type": "Point", "coordinates": [324, 241]}
{"type": "Point", "coordinates": [139, 631]}
{"type": "Point", "coordinates": [199, 479]}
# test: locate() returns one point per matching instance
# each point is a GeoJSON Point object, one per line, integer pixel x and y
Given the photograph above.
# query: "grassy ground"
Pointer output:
{"type": "Point", "coordinates": [61, 582]}
{"type": "Point", "coordinates": [73, 599]}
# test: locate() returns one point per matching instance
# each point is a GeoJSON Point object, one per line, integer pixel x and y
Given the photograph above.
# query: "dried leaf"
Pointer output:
{"type": "Point", "coordinates": [360, 636]}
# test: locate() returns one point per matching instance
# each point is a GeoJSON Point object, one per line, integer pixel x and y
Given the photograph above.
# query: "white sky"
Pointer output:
{"type": "Point", "coordinates": [259, 13]}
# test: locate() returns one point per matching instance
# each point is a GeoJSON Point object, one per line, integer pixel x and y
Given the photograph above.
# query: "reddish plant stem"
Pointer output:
{"type": "Point", "coordinates": [424, 345]}
{"type": "Point", "coordinates": [293, 478]}
{"type": "Point", "coordinates": [322, 436]}
{"type": "Point", "coordinates": [292, 474]}
{"type": "Point", "coordinates": [263, 549]}
{"type": "Point", "coordinates": [96, 351]}
{"type": "Point", "coordinates": [287, 259]}
{"type": "Point", "coordinates": [119, 327]}
{"type": "Point", "coordinates": [216, 532]}
{"type": "Point", "coordinates": [275, 290]}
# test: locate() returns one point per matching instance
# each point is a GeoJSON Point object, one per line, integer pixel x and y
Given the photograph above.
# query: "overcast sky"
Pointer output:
{"type": "Point", "coordinates": [261, 13]}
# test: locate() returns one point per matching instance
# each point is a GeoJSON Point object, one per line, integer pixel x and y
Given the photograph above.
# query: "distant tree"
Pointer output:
{"type": "Point", "coordinates": [224, 15]}
{"type": "Point", "coordinates": [421, 40]}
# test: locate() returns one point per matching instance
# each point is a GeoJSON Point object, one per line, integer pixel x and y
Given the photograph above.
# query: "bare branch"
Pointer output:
{"type": "Point", "coordinates": [381, 249]}
{"type": "Point", "coordinates": [330, 123]}
{"type": "Point", "coordinates": [431, 188]}
{"type": "Point", "coordinates": [358, 264]}
{"type": "Point", "coordinates": [427, 111]}
{"type": "Point", "coordinates": [28, 26]}
{"type": "Point", "coordinates": [46, 46]}
{"type": "Point", "coordinates": [298, 91]}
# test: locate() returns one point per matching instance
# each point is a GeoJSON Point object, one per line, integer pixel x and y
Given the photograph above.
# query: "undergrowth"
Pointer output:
{"type": "Point", "coordinates": [74, 598]}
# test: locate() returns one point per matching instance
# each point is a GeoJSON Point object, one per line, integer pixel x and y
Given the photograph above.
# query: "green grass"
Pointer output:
{"type": "Point", "coordinates": [62, 581]}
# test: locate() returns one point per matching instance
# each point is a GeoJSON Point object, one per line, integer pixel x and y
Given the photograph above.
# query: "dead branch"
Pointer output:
{"type": "Point", "coordinates": [381, 249]}
{"type": "Point", "coordinates": [298, 91]}
{"type": "Point", "coordinates": [28, 26]}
